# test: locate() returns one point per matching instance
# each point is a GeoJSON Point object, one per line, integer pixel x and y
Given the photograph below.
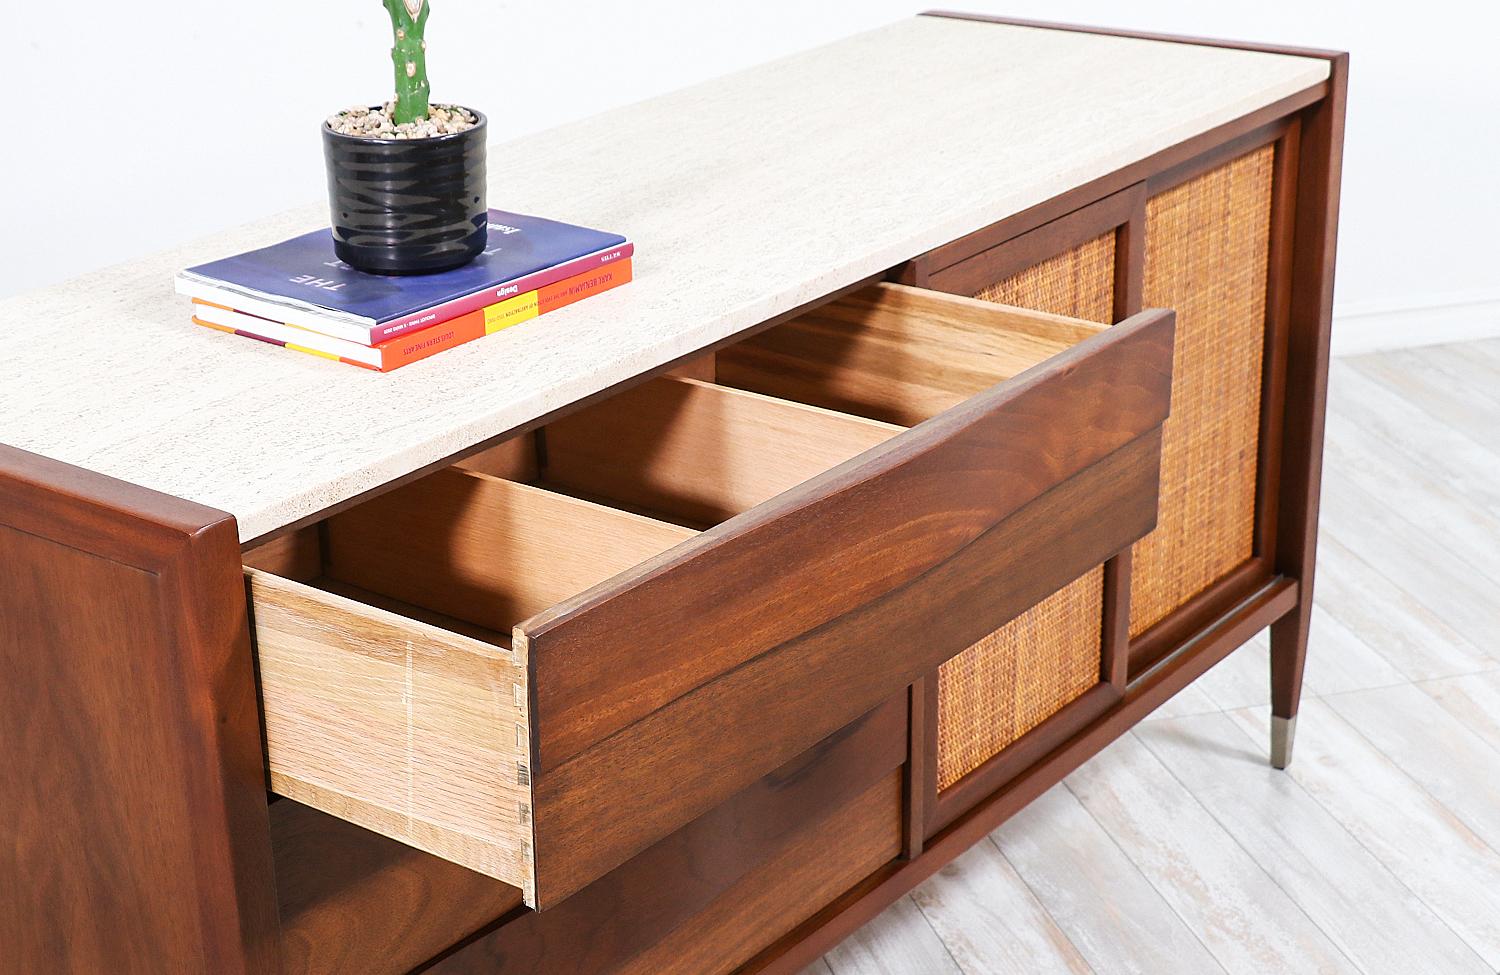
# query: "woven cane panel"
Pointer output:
{"type": "Point", "coordinates": [1015, 678]}
{"type": "Point", "coordinates": [1079, 283]}
{"type": "Point", "coordinates": [1012, 680]}
{"type": "Point", "coordinates": [1207, 250]}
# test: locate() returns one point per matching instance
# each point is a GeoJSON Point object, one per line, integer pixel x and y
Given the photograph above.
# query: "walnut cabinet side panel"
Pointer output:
{"type": "Point", "coordinates": [137, 830]}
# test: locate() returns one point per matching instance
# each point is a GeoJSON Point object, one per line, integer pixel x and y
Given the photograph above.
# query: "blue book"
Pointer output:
{"type": "Point", "coordinates": [301, 282]}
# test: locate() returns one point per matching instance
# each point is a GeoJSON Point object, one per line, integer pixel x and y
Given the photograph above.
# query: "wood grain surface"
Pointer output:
{"type": "Point", "coordinates": [785, 623]}
{"type": "Point", "coordinates": [835, 855]}
{"type": "Point", "coordinates": [897, 353]}
{"type": "Point", "coordinates": [356, 903]}
{"type": "Point", "coordinates": [409, 730]}
{"type": "Point", "coordinates": [136, 837]}
{"type": "Point", "coordinates": [1315, 244]}
{"type": "Point", "coordinates": [696, 895]}
{"type": "Point", "coordinates": [514, 459]}
{"type": "Point", "coordinates": [884, 519]}
{"type": "Point", "coordinates": [697, 452]}
{"type": "Point", "coordinates": [485, 549]}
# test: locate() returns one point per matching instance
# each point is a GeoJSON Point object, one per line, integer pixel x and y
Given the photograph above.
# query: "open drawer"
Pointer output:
{"type": "Point", "coordinates": [686, 585]}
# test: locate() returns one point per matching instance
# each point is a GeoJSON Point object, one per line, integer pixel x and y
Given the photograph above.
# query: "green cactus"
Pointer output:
{"type": "Point", "coordinates": [408, 21]}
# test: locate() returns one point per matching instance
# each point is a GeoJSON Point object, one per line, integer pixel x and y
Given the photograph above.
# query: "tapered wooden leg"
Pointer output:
{"type": "Point", "coordinates": [1319, 162]}
{"type": "Point", "coordinates": [1288, 658]}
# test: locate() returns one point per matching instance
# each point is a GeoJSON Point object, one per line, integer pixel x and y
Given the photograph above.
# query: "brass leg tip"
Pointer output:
{"type": "Point", "coordinates": [1283, 734]}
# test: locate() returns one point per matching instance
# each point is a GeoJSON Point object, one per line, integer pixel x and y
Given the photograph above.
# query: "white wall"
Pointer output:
{"type": "Point", "coordinates": [199, 117]}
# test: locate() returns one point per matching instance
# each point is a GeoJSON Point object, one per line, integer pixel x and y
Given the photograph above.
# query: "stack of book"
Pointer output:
{"type": "Point", "coordinates": [298, 295]}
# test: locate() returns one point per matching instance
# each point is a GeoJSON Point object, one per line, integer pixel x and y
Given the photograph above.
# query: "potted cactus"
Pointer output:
{"type": "Point", "coordinates": [406, 179]}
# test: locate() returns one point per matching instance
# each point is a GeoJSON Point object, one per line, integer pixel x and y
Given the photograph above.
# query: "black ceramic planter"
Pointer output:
{"type": "Point", "coordinates": [407, 206]}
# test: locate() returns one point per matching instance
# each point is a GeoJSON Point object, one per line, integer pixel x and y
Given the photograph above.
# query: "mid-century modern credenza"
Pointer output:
{"type": "Point", "coordinates": [967, 405]}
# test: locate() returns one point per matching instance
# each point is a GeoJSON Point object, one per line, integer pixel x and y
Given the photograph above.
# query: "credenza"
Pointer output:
{"type": "Point", "coordinates": [967, 405]}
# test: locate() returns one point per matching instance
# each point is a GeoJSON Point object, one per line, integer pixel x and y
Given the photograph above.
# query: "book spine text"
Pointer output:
{"type": "Point", "coordinates": [511, 289]}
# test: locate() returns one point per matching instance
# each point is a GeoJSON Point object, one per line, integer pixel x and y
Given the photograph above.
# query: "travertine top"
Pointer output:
{"type": "Point", "coordinates": [746, 196]}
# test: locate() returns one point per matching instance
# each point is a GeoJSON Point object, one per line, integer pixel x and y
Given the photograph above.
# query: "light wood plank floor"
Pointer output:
{"type": "Point", "coordinates": [1179, 850]}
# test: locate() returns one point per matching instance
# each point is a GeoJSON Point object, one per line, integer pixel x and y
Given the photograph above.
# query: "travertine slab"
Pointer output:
{"type": "Point", "coordinates": [747, 196]}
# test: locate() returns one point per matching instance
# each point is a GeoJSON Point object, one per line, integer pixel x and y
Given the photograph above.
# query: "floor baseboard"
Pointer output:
{"type": "Point", "coordinates": [1358, 330]}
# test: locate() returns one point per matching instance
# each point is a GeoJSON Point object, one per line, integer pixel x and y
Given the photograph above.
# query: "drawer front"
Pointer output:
{"type": "Point", "coordinates": [713, 893]}
{"type": "Point", "coordinates": [659, 693]}
{"type": "Point", "coordinates": [814, 869]}
{"type": "Point", "coordinates": [675, 668]}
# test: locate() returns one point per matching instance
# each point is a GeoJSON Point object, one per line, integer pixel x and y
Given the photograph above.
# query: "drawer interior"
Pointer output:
{"type": "Point", "coordinates": [697, 453]}
{"type": "Point", "coordinates": [498, 539]}
{"type": "Point", "coordinates": [512, 531]}
{"type": "Point", "coordinates": [897, 354]}
{"type": "Point", "coordinates": [482, 550]}
{"type": "Point", "coordinates": [394, 683]}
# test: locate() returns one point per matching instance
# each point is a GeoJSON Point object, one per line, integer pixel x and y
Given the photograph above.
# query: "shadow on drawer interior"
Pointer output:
{"type": "Point", "coordinates": [896, 353]}
{"type": "Point", "coordinates": [617, 484]}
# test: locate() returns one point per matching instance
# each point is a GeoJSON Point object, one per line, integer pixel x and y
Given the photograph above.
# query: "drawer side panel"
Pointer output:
{"type": "Point", "coordinates": [408, 730]}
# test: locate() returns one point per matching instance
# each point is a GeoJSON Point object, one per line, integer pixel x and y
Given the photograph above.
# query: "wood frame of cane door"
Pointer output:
{"type": "Point", "coordinates": [1311, 235]}
{"type": "Point", "coordinates": [1164, 637]}
{"type": "Point", "coordinates": [981, 258]}
{"type": "Point", "coordinates": [1123, 213]}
